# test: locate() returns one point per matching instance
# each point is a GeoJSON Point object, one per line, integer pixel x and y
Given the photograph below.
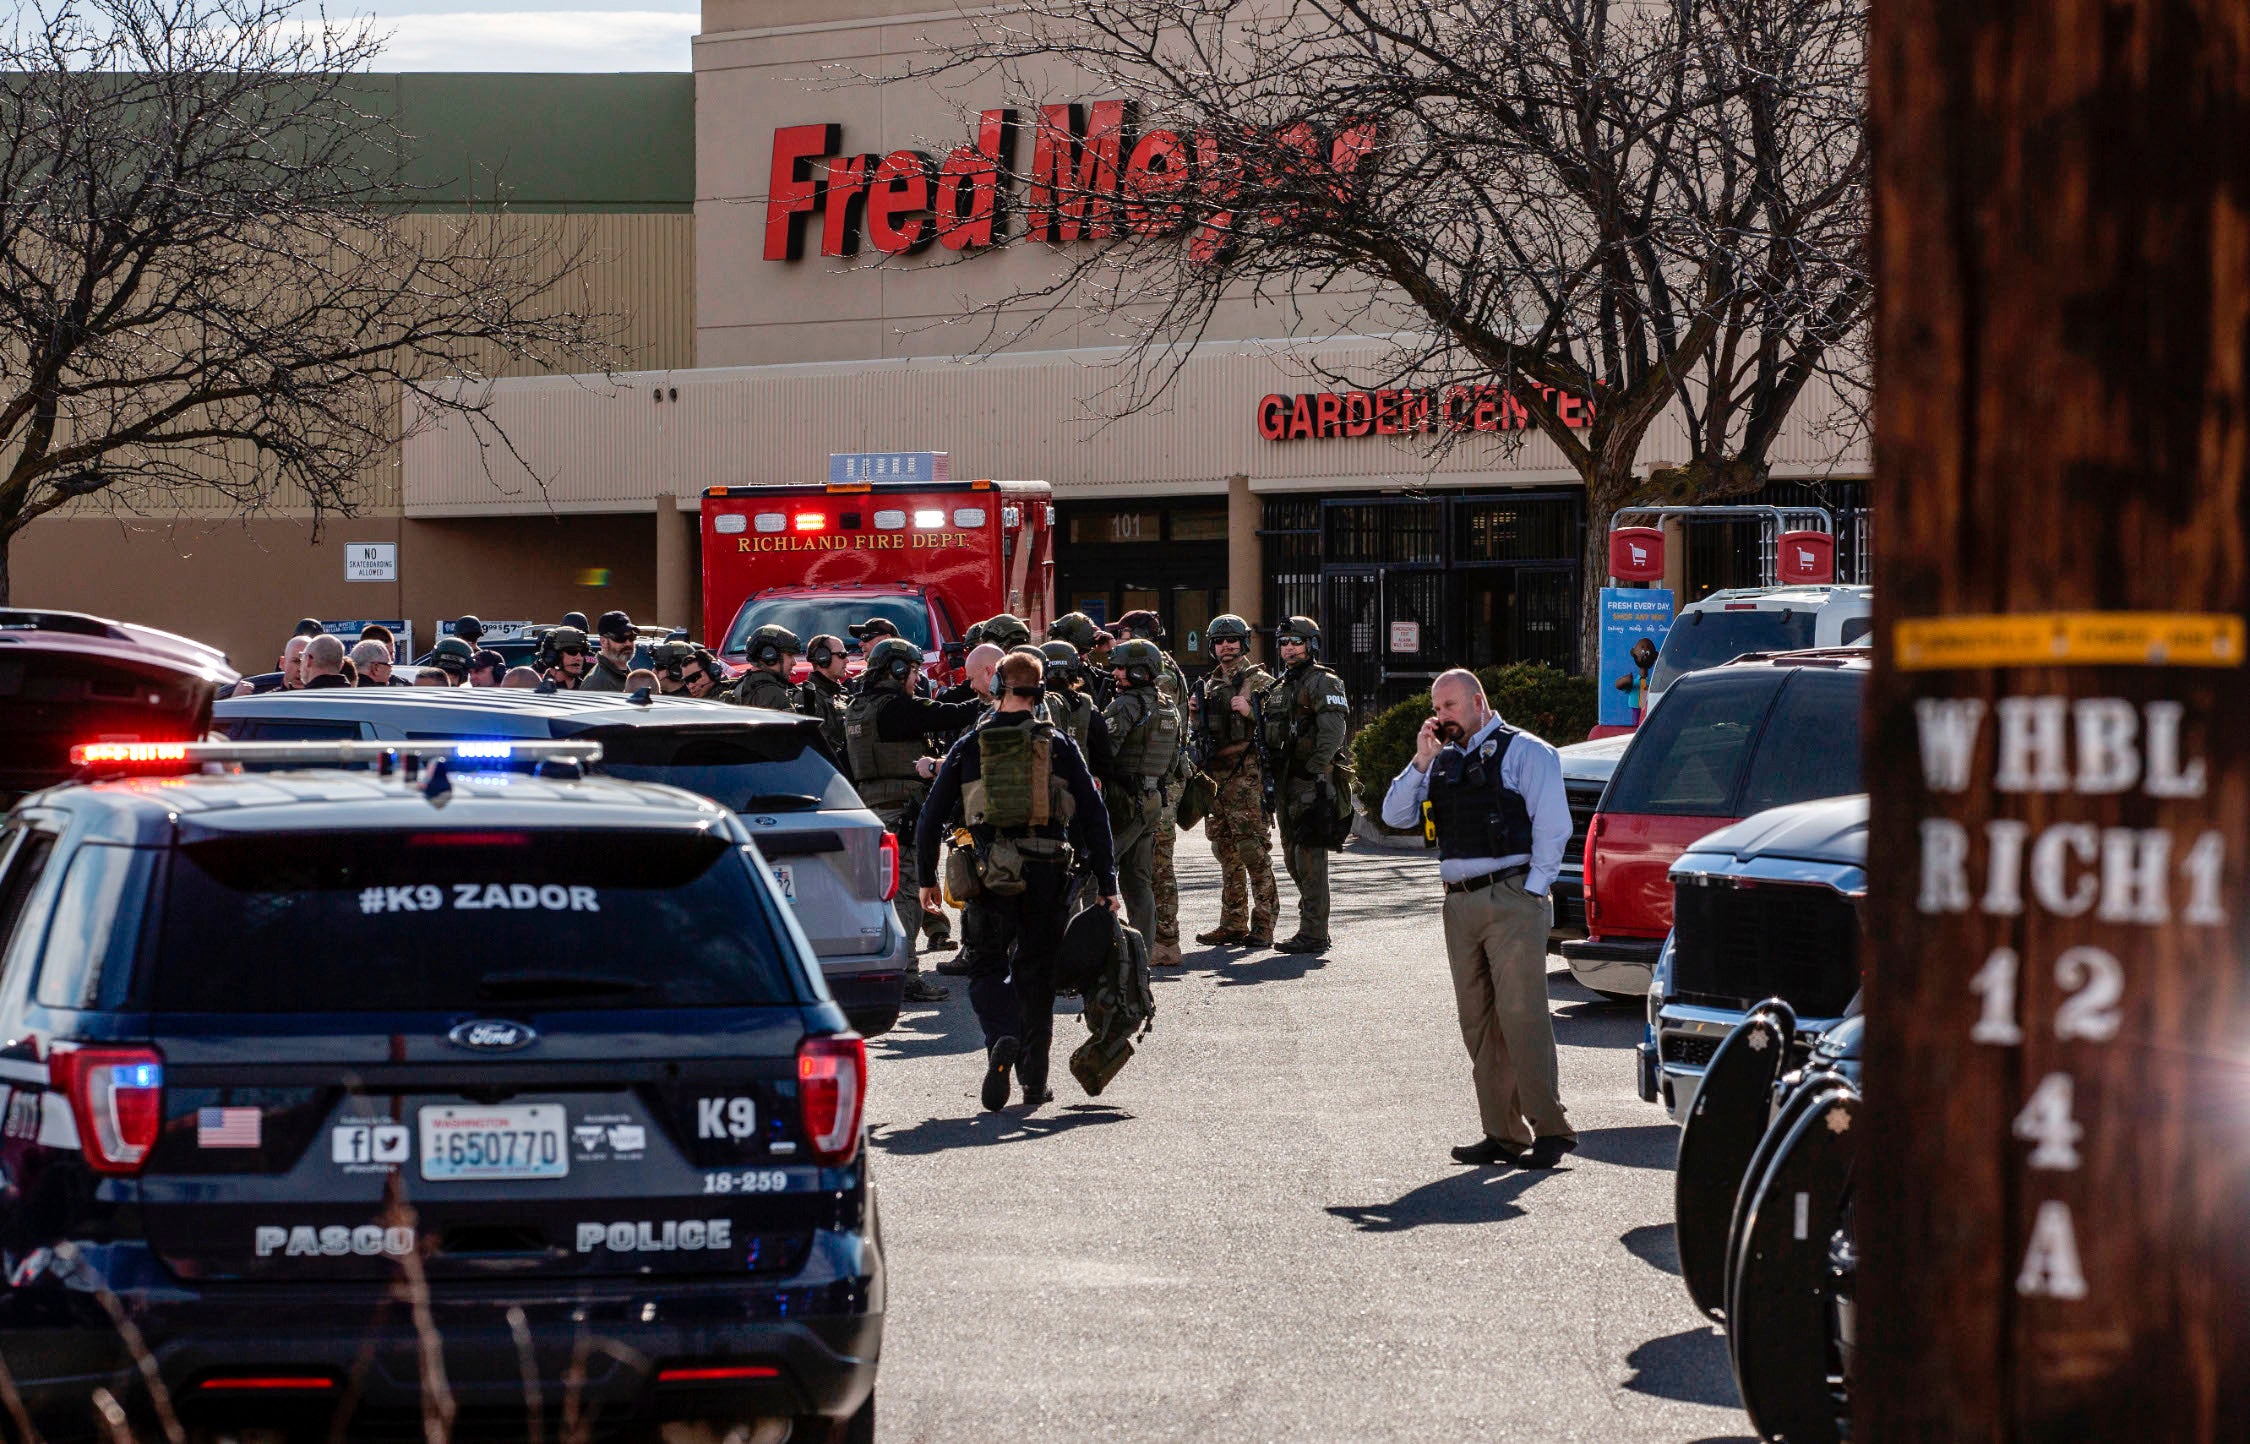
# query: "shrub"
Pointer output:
{"type": "Point", "coordinates": [1545, 701]}
{"type": "Point", "coordinates": [1542, 700]}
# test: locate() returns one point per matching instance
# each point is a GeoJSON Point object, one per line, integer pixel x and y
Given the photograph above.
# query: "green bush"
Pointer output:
{"type": "Point", "coordinates": [1545, 701]}
{"type": "Point", "coordinates": [1542, 700]}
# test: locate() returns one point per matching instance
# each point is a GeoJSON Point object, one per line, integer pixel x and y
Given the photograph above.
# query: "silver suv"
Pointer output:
{"type": "Point", "coordinates": [831, 857]}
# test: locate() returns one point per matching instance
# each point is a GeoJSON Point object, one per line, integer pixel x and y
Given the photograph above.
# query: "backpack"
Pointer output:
{"type": "Point", "coordinates": [1120, 1005]}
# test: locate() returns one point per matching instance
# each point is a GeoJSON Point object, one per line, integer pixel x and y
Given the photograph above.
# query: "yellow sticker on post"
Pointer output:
{"type": "Point", "coordinates": [2069, 639]}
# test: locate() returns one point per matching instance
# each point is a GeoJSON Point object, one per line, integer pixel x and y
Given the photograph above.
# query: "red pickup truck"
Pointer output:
{"type": "Point", "coordinates": [1764, 730]}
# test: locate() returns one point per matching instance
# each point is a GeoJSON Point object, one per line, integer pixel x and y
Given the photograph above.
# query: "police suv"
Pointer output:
{"type": "Point", "coordinates": [334, 1096]}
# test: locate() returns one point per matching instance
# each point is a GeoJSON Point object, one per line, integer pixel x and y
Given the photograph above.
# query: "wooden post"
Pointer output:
{"type": "Point", "coordinates": [2053, 1197]}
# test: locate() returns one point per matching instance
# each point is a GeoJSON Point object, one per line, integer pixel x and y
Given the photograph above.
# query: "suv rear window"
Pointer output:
{"type": "Point", "coordinates": [1705, 639]}
{"type": "Point", "coordinates": [753, 769]}
{"type": "Point", "coordinates": [1810, 747]}
{"type": "Point", "coordinates": [1687, 758]}
{"type": "Point", "coordinates": [356, 922]}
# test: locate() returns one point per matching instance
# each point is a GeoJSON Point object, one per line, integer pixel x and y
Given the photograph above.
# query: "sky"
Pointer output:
{"type": "Point", "coordinates": [531, 34]}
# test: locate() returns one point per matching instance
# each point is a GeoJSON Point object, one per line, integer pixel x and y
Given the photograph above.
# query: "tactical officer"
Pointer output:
{"type": "Point", "coordinates": [1076, 628]}
{"type": "Point", "coordinates": [562, 658]}
{"type": "Point", "coordinates": [886, 734]}
{"type": "Point", "coordinates": [822, 694]}
{"type": "Point", "coordinates": [1226, 716]}
{"type": "Point", "coordinates": [618, 642]}
{"type": "Point", "coordinates": [1306, 717]}
{"type": "Point", "coordinates": [1503, 819]}
{"type": "Point", "coordinates": [1144, 733]}
{"type": "Point", "coordinates": [1024, 792]}
{"type": "Point", "coordinates": [470, 630]}
{"type": "Point", "coordinates": [487, 667]}
{"type": "Point", "coordinates": [772, 652]}
{"type": "Point", "coordinates": [1071, 709]}
{"type": "Point", "coordinates": [1171, 684]}
{"type": "Point", "coordinates": [684, 669]}
{"type": "Point", "coordinates": [578, 620]}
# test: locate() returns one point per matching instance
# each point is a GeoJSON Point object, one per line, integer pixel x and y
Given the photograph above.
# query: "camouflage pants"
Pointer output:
{"type": "Point", "coordinates": [1236, 826]}
{"type": "Point", "coordinates": [1163, 883]}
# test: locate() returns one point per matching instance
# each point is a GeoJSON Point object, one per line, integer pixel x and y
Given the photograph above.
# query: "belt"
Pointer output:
{"type": "Point", "coordinates": [1487, 879]}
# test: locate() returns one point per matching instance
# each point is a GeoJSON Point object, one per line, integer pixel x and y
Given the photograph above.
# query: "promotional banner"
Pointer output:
{"type": "Point", "coordinates": [1634, 621]}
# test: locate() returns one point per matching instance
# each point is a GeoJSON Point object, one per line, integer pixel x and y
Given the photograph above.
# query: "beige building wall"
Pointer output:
{"type": "Point", "coordinates": [185, 560]}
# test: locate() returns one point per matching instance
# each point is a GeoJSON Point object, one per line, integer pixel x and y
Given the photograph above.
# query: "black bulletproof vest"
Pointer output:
{"type": "Point", "coordinates": [1476, 816]}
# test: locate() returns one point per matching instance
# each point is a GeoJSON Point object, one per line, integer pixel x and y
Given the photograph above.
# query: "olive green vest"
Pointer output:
{"type": "Point", "coordinates": [1073, 712]}
{"type": "Point", "coordinates": [882, 771]}
{"type": "Point", "coordinates": [765, 689]}
{"type": "Point", "coordinates": [1151, 742]}
{"type": "Point", "coordinates": [1017, 790]}
{"type": "Point", "coordinates": [1220, 720]}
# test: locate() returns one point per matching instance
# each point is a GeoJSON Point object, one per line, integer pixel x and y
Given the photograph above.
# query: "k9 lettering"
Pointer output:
{"type": "Point", "coordinates": [669, 1236]}
{"type": "Point", "coordinates": [472, 897]}
{"type": "Point", "coordinates": [725, 1117]}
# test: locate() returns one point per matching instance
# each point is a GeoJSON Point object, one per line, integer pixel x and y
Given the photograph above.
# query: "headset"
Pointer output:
{"type": "Point", "coordinates": [820, 655]}
{"type": "Point", "coordinates": [767, 653]}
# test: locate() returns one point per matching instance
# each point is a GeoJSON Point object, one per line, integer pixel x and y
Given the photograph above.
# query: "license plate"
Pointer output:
{"type": "Point", "coordinates": [785, 878]}
{"type": "Point", "coordinates": [523, 1140]}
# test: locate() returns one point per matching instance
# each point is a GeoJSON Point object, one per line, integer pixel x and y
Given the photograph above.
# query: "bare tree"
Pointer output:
{"type": "Point", "coordinates": [1590, 210]}
{"type": "Point", "coordinates": [215, 286]}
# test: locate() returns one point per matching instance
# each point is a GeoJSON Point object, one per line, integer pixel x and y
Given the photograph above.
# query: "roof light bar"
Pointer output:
{"type": "Point", "coordinates": [182, 757]}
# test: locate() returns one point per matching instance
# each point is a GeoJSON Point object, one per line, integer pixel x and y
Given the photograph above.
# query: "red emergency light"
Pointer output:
{"type": "Point", "coordinates": [811, 521]}
{"type": "Point", "coordinates": [128, 752]}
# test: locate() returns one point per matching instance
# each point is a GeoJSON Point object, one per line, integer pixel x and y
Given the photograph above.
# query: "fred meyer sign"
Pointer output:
{"type": "Point", "coordinates": [1093, 175]}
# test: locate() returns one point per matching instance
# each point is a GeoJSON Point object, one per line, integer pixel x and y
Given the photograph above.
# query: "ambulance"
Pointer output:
{"type": "Point", "coordinates": [930, 557]}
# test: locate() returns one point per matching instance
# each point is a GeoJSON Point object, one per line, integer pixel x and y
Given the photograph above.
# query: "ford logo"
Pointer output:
{"type": "Point", "coordinates": [493, 1035]}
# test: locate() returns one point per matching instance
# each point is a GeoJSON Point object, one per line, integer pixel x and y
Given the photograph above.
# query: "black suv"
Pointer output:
{"type": "Point", "coordinates": [358, 1093]}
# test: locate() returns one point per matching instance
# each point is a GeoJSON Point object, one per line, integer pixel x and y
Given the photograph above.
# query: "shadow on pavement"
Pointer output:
{"type": "Point", "coordinates": [1653, 1244]}
{"type": "Point", "coordinates": [932, 1030]}
{"type": "Point", "coordinates": [1651, 1145]}
{"type": "Point", "coordinates": [1010, 1125]}
{"type": "Point", "coordinates": [1474, 1195]}
{"type": "Point", "coordinates": [1690, 1367]}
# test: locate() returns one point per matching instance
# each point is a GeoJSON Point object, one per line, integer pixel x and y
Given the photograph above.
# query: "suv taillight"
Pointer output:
{"type": "Point", "coordinates": [831, 1090]}
{"type": "Point", "coordinates": [1594, 828]}
{"type": "Point", "coordinates": [117, 1097]}
{"type": "Point", "coordinates": [890, 866]}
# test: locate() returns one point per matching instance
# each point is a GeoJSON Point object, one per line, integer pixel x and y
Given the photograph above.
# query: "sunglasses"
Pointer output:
{"type": "Point", "coordinates": [570, 651]}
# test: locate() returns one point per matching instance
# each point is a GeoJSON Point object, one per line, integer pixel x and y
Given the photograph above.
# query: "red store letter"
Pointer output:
{"type": "Point", "coordinates": [1273, 417]}
{"type": "Point", "coordinates": [1074, 166]}
{"type": "Point", "coordinates": [970, 212]}
{"type": "Point", "coordinates": [846, 200]}
{"type": "Point", "coordinates": [898, 204]}
{"type": "Point", "coordinates": [791, 190]}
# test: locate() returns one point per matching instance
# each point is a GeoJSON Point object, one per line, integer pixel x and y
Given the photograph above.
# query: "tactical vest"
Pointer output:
{"type": "Point", "coordinates": [882, 771]}
{"type": "Point", "coordinates": [765, 689]}
{"type": "Point", "coordinates": [1476, 814]}
{"type": "Point", "coordinates": [1073, 712]}
{"type": "Point", "coordinates": [1017, 792]}
{"type": "Point", "coordinates": [1292, 712]}
{"type": "Point", "coordinates": [1149, 748]}
{"type": "Point", "coordinates": [1220, 720]}
{"type": "Point", "coordinates": [822, 699]}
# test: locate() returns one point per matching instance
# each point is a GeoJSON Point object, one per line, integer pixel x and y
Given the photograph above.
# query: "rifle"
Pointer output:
{"type": "Point", "coordinates": [1269, 785]}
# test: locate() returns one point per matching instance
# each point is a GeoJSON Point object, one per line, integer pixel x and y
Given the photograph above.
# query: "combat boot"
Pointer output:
{"type": "Point", "coordinates": [1223, 936]}
{"type": "Point", "coordinates": [1302, 944]}
{"type": "Point", "coordinates": [1165, 955]}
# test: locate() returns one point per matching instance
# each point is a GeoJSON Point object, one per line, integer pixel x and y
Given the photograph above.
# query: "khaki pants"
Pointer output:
{"type": "Point", "coordinates": [1496, 942]}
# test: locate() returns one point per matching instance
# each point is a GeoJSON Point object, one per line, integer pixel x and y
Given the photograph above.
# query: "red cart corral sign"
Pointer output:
{"type": "Point", "coordinates": [1636, 553]}
{"type": "Point", "coordinates": [1807, 557]}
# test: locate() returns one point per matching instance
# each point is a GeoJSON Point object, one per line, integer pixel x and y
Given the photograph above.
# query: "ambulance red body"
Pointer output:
{"type": "Point", "coordinates": [933, 558]}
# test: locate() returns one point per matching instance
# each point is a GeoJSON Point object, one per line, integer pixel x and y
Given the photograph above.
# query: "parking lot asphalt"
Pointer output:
{"type": "Point", "coordinates": [1256, 1232]}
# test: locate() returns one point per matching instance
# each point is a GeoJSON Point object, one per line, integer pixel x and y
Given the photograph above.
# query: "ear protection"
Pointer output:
{"type": "Point", "coordinates": [899, 669]}
{"type": "Point", "coordinates": [820, 655]}
{"type": "Point", "coordinates": [766, 655]}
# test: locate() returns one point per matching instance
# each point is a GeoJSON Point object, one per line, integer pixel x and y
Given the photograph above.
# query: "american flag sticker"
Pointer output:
{"type": "Point", "coordinates": [228, 1127]}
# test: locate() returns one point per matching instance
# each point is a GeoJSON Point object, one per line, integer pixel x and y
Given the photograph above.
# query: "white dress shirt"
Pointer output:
{"type": "Point", "coordinates": [1530, 769]}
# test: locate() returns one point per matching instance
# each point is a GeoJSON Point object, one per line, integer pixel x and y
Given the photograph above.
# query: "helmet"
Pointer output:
{"type": "Point", "coordinates": [892, 660]}
{"type": "Point", "coordinates": [1142, 624]}
{"type": "Point", "coordinates": [872, 628]}
{"type": "Point", "coordinates": [1061, 657]}
{"type": "Point", "coordinates": [1140, 660]}
{"type": "Point", "coordinates": [1299, 629]}
{"type": "Point", "coordinates": [1075, 628]}
{"type": "Point", "coordinates": [1006, 631]}
{"type": "Point", "coordinates": [578, 620]}
{"type": "Point", "coordinates": [452, 652]}
{"type": "Point", "coordinates": [560, 640]}
{"type": "Point", "coordinates": [769, 645]}
{"type": "Point", "coordinates": [974, 637]}
{"type": "Point", "coordinates": [469, 629]}
{"type": "Point", "coordinates": [671, 657]}
{"type": "Point", "coordinates": [1227, 626]}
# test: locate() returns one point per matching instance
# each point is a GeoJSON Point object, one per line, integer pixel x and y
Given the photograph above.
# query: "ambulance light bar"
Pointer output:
{"type": "Point", "coordinates": [157, 759]}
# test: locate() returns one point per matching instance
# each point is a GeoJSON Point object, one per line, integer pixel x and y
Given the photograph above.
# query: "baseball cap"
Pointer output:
{"type": "Point", "coordinates": [616, 626]}
{"type": "Point", "coordinates": [486, 657]}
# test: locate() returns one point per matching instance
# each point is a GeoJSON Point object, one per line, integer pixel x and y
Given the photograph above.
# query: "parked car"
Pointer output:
{"type": "Point", "coordinates": [67, 678]}
{"type": "Point", "coordinates": [1758, 732]}
{"type": "Point", "coordinates": [1767, 908]}
{"type": "Point", "coordinates": [832, 857]}
{"type": "Point", "coordinates": [1717, 628]}
{"type": "Point", "coordinates": [545, 1054]}
{"type": "Point", "coordinates": [1586, 770]}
